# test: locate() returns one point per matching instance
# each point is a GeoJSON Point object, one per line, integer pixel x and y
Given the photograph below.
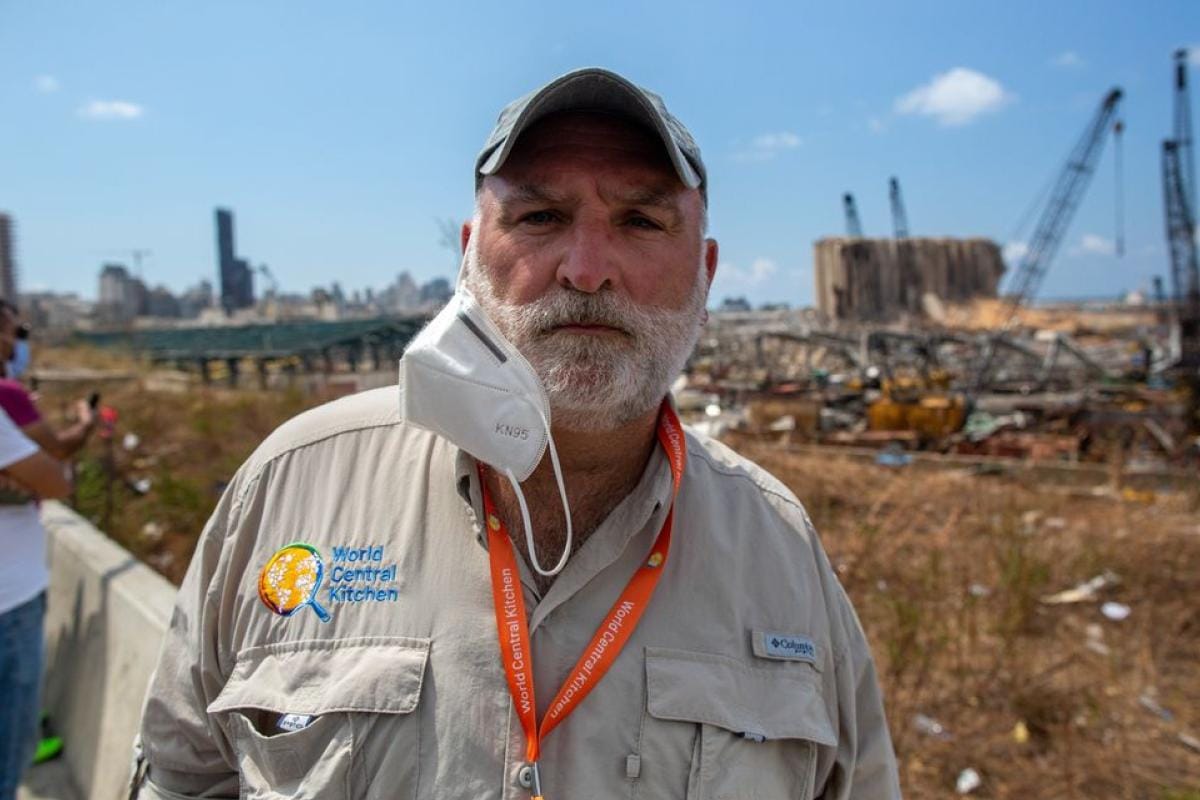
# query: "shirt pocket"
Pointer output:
{"type": "Point", "coordinates": [346, 687]}
{"type": "Point", "coordinates": [756, 728]}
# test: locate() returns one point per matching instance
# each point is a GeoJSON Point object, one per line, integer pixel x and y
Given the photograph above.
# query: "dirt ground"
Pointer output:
{"type": "Point", "coordinates": [948, 571]}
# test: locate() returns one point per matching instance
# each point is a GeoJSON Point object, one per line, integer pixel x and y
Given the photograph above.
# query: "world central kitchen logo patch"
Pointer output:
{"type": "Point", "coordinates": [295, 577]}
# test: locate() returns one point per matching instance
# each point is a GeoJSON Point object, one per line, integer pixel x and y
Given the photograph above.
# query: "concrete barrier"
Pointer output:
{"type": "Point", "coordinates": [105, 620]}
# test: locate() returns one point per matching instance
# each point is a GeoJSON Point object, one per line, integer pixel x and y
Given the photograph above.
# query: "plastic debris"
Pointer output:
{"type": "Point", "coordinates": [152, 531]}
{"type": "Point", "coordinates": [785, 423]}
{"type": "Point", "coordinates": [930, 727]}
{"type": "Point", "coordinates": [893, 458]}
{"type": "Point", "coordinates": [1190, 741]}
{"type": "Point", "coordinates": [1088, 590]}
{"type": "Point", "coordinates": [142, 485]}
{"type": "Point", "coordinates": [1147, 701]}
{"type": "Point", "coordinates": [979, 590]}
{"type": "Point", "coordinates": [968, 781]}
{"type": "Point", "coordinates": [712, 410]}
{"type": "Point", "coordinates": [1095, 640]}
{"type": "Point", "coordinates": [1115, 611]}
{"type": "Point", "coordinates": [1020, 732]}
{"type": "Point", "coordinates": [131, 441]}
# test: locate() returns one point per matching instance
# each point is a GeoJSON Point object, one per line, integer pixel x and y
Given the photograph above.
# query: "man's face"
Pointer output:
{"type": "Point", "coordinates": [589, 254]}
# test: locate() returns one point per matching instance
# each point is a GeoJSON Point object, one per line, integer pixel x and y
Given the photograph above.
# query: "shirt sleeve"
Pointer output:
{"type": "Point", "coordinates": [186, 753]}
{"type": "Point", "coordinates": [14, 445]}
{"type": "Point", "coordinates": [15, 401]}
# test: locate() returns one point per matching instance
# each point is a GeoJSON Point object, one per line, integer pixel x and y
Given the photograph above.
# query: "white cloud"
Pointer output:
{"type": "Point", "coordinates": [733, 276]}
{"type": "Point", "coordinates": [956, 97]}
{"type": "Point", "coordinates": [110, 109]}
{"type": "Point", "coordinates": [1068, 59]}
{"type": "Point", "coordinates": [1013, 252]}
{"type": "Point", "coordinates": [46, 84]}
{"type": "Point", "coordinates": [1091, 244]}
{"type": "Point", "coordinates": [876, 125]}
{"type": "Point", "coordinates": [766, 146]}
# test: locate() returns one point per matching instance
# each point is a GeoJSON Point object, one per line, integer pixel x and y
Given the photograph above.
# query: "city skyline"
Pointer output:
{"type": "Point", "coordinates": [130, 133]}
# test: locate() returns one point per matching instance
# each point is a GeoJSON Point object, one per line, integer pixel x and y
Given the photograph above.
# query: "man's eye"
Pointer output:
{"type": "Point", "coordinates": [638, 221]}
{"type": "Point", "coordinates": [540, 217]}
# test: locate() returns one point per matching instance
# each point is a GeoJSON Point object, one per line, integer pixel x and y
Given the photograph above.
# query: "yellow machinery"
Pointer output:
{"type": "Point", "coordinates": [923, 406]}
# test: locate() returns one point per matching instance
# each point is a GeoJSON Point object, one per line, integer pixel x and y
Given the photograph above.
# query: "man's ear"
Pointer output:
{"type": "Point", "coordinates": [711, 251]}
{"type": "Point", "coordinates": [464, 235]}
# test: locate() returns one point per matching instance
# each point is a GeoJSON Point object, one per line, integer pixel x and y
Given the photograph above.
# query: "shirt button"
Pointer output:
{"type": "Point", "coordinates": [525, 777]}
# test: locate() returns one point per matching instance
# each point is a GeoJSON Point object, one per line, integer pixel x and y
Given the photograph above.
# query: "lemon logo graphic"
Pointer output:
{"type": "Point", "coordinates": [655, 560]}
{"type": "Point", "coordinates": [290, 580]}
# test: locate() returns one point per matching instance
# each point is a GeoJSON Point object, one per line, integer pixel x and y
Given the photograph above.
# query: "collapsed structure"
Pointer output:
{"type": "Point", "coordinates": [880, 280]}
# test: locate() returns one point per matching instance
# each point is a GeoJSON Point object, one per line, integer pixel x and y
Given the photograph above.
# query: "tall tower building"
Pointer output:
{"type": "Point", "coordinates": [237, 281]}
{"type": "Point", "coordinates": [8, 259]}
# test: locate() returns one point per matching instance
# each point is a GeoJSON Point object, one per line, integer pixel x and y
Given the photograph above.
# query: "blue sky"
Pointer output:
{"type": "Point", "coordinates": [340, 132]}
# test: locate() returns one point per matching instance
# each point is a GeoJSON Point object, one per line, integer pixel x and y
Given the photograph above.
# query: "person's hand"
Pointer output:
{"type": "Point", "coordinates": [84, 412]}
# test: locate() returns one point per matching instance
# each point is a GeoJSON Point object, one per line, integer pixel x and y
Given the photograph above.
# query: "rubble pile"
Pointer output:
{"type": "Point", "coordinates": [1098, 395]}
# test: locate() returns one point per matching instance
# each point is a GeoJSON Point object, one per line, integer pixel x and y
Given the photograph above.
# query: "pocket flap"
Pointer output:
{"type": "Point", "coordinates": [381, 674]}
{"type": "Point", "coordinates": [727, 692]}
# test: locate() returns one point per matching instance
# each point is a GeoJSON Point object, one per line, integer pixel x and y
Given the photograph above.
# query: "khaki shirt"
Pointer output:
{"type": "Point", "coordinates": [747, 677]}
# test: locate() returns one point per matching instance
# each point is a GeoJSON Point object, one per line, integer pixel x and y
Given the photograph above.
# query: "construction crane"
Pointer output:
{"type": "Point", "coordinates": [1064, 199]}
{"type": "Point", "coordinates": [265, 271]}
{"type": "Point", "coordinates": [910, 280]}
{"type": "Point", "coordinates": [1179, 203]}
{"type": "Point", "coordinates": [1065, 195]}
{"type": "Point", "coordinates": [899, 217]}
{"type": "Point", "coordinates": [853, 226]}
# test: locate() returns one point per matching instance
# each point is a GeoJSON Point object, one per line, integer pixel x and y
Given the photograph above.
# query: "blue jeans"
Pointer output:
{"type": "Point", "coordinates": [21, 668]}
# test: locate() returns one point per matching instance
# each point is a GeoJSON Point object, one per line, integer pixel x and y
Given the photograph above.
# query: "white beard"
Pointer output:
{"type": "Point", "coordinates": [596, 383]}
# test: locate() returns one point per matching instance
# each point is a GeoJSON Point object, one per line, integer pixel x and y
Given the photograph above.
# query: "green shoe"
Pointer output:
{"type": "Point", "coordinates": [48, 748]}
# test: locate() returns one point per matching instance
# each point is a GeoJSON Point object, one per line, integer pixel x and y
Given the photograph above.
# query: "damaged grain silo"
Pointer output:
{"type": "Point", "coordinates": [881, 280]}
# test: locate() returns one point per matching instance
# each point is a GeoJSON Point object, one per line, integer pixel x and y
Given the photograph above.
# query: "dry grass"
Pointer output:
{"type": "Point", "coordinates": [947, 570]}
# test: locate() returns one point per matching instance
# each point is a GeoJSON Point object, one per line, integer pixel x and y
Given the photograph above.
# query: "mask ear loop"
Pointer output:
{"type": "Point", "coordinates": [562, 494]}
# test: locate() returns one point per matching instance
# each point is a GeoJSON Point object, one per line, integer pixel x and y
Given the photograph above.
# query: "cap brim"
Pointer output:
{"type": "Point", "coordinates": [593, 90]}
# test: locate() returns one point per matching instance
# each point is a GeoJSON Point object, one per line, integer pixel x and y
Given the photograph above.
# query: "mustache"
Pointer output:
{"type": "Point", "coordinates": [557, 310]}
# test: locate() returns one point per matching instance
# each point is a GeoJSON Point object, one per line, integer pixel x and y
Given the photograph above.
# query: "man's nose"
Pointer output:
{"type": "Point", "coordinates": [588, 265]}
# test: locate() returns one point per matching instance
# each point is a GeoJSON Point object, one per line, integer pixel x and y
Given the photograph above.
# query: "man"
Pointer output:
{"type": "Point", "coordinates": [22, 598]}
{"type": "Point", "coordinates": [355, 621]}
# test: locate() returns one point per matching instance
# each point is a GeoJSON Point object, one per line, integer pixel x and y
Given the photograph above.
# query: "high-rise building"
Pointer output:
{"type": "Point", "coordinates": [237, 280]}
{"type": "Point", "coordinates": [8, 260]}
{"type": "Point", "coordinates": [122, 296]}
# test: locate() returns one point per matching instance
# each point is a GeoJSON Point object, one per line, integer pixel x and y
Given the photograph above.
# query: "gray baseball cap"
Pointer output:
{"type": "Point", "coordinates": [594, 89]}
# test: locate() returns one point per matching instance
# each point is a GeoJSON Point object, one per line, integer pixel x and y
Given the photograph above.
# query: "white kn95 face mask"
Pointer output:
{"type": "Point", "coordinates": [461, 379]}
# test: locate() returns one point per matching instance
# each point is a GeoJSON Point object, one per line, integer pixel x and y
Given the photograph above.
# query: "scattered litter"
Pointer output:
{"type": "Point", "coordinates": [979, 590]}
{"type": "Point", "coordinates": [968, 781]}
{"type": "Point", "coordinates": [881, 585]}
{"type": "Point", "coordinates": [893, 458]}
{"type": "Point", "coordinates": [930, 727]}
{"type": "Point", "coordinates": [1020, 732]}
{"type": "Point", "coordinates": [1115, 611]}
{"type": "Point", "coordinates": [785, 423]}
{"type": "Point", "coordinates": [131, 441]}
{"type": "Point", "coordinates": [152, 532]}
{"type": "Point", "coordinates": [1147, 701]}
{"type": "Point", "coordinates": [712, 410]}
{"type": "Point", "coordinates": [1084, 591]}
{"type": "Point", "coordinates": [1095, 639]}
{"type": "Point", "coordinates": [141, 485]}
{"type": "Point", "coordinates": [1055, 523]}
{"type": "Point", "coordinates": [1190, 741]}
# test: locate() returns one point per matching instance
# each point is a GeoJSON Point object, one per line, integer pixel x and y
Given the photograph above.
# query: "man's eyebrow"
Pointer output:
{"type": "Point", "coordinates": [650, 196]}
{"type": "Point", "coordinates": [532, 193]}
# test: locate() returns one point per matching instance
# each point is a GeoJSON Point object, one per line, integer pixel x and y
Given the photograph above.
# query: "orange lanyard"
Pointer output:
{"type": "Point", "coordinates": [609, 638]}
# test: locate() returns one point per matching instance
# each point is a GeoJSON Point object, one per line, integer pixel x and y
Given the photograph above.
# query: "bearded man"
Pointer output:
{"type": "Point", "coordinates": [525, 579]}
